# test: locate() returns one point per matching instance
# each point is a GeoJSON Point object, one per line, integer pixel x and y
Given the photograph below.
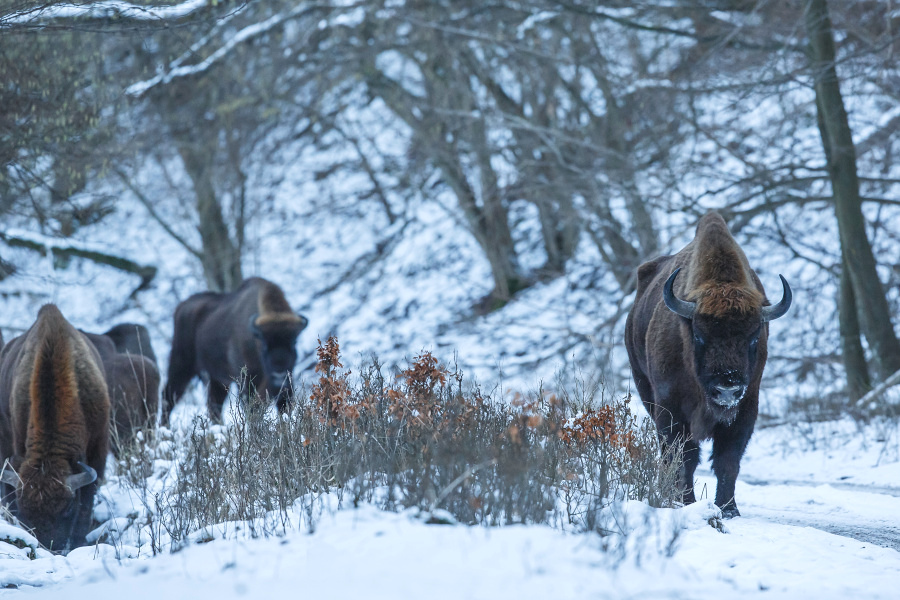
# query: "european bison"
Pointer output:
{"type": "Point", "coordinates": [218, 335]}
{"type": "Point", "coordinates": [54, 429]}
{"type": "Point", "coordinates": [696, 339]}
{"type": "Point", "coordinates": [131, 338]}
{"type": "Point", "coordinates": [132, 379]}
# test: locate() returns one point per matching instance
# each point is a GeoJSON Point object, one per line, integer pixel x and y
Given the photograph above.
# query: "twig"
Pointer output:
{"type": "Point", "coordinates": [156, 217]}
{"type": "Point", "coordinates": [879, 390]}
{"type": "Point", "coordinates": [466, 474]}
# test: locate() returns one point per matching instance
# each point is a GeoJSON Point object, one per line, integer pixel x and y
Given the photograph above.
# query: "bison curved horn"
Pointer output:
{"type": "Point", "coordinates": [254, 329]}
{"type": "Point", "coordinates": [9, 477]}
{"type": "Point", "coordinates": [303, 321]}
{"type": "Point", "coordinates": [79, 480]}
{"type": "Point", "coordinates": [679, 307]}
{"type": "Point", "coordinates": [770, 313]}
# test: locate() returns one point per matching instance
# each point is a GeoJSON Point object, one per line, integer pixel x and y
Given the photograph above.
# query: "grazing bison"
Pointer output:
{"type": "Point", "coordinates": [54, 429]}
{"type": "Point", "coordinates": [218, 335]}
{"type": "Point", "coordinates": [132, 379]}
{"type": "Point", "coordinates": [696, 339]}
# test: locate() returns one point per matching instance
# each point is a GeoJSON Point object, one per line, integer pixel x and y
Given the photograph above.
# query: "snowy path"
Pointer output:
{"type": "Point", "coordinates": [864, 513]}
{"type": "Point", "coordinates": [833, 477]}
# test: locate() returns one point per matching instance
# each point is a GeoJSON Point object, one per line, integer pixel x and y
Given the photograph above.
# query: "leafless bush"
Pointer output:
{"type": "Point", "coordinates": [421, 440]}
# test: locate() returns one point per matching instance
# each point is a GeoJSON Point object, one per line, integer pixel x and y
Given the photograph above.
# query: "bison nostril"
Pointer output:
{"type": "Point", "coordinates": [735, 392]}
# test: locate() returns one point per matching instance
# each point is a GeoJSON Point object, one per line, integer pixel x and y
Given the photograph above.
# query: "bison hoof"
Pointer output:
{"type": "Point", "coordinates": [730, 512]}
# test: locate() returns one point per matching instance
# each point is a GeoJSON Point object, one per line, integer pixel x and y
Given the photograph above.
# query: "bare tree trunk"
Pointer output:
{"type": "Point", "coordinates": [560, 230]}
{"type": "Point", "coordinates": [858, 382]}
{"type": "Point", "coordinates": [489, 225]}
{"type": "Point", "coordinates": [547, 189]}
{"type": "Point", "coordinates": [489, 220]}
{"type": "Point", "coordinates": [621, 168]}
{"type": "Point", "coordinates": [834, 127]}
{"type": "Point", "coordinates": [221, 257]}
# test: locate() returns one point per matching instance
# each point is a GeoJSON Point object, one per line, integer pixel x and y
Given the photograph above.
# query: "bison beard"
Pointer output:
{"type": "Point", "coordinates": [697, 343]}
{"type": "Point", "coordinates": [217, 336]}
{"type": "Point", "coordinates": [54, 429]}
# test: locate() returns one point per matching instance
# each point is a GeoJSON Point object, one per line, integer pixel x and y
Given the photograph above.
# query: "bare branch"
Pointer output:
{"type": "Point", "coordinates": [248, 33]}
{"type": "Point", "coordinates": [104, 9]}
{"type": "Point", "coordinates": [44, 245]}
{"type": "Point", "coordinates": [156, 216]}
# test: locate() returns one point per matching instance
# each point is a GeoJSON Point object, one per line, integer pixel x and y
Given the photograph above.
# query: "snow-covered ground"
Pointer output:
{"type": "Point", "coordinates": [819, 521]}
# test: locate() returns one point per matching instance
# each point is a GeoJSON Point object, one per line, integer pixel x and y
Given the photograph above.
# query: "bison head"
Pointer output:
{"type": "Point", "coordinates": [53, 501]}
{"type": "Point", "coordinates": [277, 342]}
{"type": "Point", "coordinates": [725, 336]}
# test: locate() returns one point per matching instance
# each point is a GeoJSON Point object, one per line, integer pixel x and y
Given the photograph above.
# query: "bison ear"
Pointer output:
{"type": "Point", "coordinates": [253, 327]}
{"type": "Point", "coordinates": [87, 476]}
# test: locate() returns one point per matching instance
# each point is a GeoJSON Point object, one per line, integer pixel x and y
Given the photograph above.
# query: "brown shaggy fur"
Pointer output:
{"type": "Point", "coordinates": [54, 412]}
{"type": "Point", "coordinates": [718, 273]}
{"type": "Point", "coordinates": [722, 300]}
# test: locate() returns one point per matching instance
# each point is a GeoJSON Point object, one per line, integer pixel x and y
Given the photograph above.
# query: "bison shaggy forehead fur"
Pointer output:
{"type": "Point", "coordinates": [726, 299]}
{"type": "Point", "coordinates": [273, 309]}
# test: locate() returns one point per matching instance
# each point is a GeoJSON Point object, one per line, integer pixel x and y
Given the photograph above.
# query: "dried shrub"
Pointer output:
{"type": "Point", "coordinates": [421, 439]}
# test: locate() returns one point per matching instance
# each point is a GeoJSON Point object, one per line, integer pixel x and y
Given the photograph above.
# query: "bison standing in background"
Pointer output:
{"type": "Point", "coordinates": [696, 339]}
{"type": "Point", "coordinates": [218, 335]}
{"type": "Point", "coordinates": [131, 338]}
{"type": "Point", "coordinates": [132, 379]}
{"type": "Point", "coordinates": [54, 429]}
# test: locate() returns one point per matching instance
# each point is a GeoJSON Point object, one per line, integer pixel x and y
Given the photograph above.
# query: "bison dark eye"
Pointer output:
{"type": "Point", "coordinates": [698, 339]}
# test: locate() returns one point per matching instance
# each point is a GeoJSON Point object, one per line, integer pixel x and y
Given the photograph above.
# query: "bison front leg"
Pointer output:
{"type": "Point", "coordinates": [178, 379]}
{"type": "Point", "coordinates": [285, 396]}
{"type": "Point", "coordinates": [215, 399]}
{"type": "Point", "coordinates": [690, 460]}
{"type": "Point", "coordinates": [83, 521]}
{"type": "Point", "coordinates": [729, 444]}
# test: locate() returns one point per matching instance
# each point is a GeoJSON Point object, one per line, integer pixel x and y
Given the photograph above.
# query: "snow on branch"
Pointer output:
{"type": "Point", "coordinates": [879, 391]}
{"type": "Point", "coordinates": [44, 244]}
{"type": "Point", "coordinates": [104, 9]}
{"type": "Point", "coordinates": [176, 70]}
